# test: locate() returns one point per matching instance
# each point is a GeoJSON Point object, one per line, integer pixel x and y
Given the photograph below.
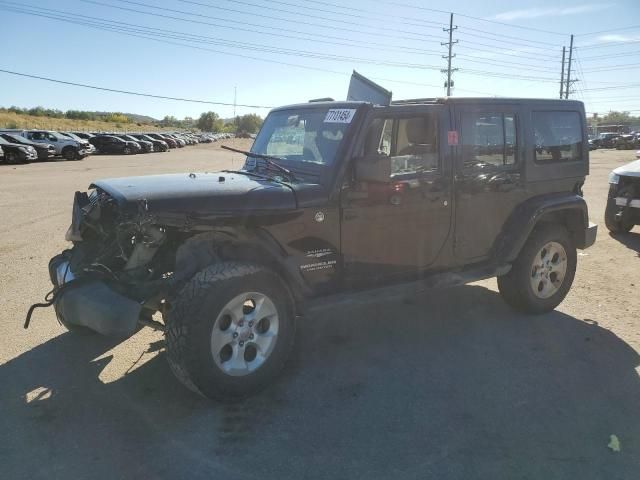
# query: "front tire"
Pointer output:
{"type": "Point", "coordinates": [542, 275]}
{"type": "Point", "coordinates": [614, 224]}
{"type": "Point", "coordinates": [231, 330]}
{"type": "Point", "coordinates": [12, 158]}
{"type": "Point", "coordinates": [70, 154]}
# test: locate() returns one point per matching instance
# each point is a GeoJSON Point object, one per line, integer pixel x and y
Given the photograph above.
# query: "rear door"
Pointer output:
{"type": "Point", "coordinates": [489, 180]}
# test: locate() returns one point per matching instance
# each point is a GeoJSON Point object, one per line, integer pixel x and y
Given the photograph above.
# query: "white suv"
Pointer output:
{"type": "Point", "coordinates": [67, 147]}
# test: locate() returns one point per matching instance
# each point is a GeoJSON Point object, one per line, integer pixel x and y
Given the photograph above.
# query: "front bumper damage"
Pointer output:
{"type": "Point", "coordinates": [91, 302]}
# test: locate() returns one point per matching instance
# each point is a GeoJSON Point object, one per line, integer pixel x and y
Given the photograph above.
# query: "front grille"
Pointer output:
{"type": "Point", "coordinates": [629, 187]}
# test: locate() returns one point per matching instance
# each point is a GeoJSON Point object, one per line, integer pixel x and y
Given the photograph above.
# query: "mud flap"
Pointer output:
{"type": "Point", "coordinates": [96, 306]}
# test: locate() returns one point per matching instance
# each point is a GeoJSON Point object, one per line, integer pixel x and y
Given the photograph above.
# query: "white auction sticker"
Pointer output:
{"type": "Point", "coordinates": [340, 115]}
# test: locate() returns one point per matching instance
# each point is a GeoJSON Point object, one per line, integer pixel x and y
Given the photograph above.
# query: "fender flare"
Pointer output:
{"type": "Point", "coordinates": [237, 243]}
{"type": "Point", "coordinates": [568, 209]}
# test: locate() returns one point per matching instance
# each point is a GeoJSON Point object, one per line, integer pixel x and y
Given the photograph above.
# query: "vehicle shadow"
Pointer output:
{"type": "Point", "coordinates": [450, 385]}
{"type": "Point", "coordinates": [630, 240]}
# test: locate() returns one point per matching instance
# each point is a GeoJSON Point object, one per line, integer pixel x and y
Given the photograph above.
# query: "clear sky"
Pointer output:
{"type": "Point", "coordinates": [203, 49]}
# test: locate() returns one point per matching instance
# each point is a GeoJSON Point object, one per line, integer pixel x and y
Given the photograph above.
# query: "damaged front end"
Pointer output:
{"type": "Point", "coordinates": [118, 271]}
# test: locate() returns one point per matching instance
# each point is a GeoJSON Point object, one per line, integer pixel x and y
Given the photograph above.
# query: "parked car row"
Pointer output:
{"type": "Point", "coordinates": [620, 141]}
{"type": "Point", "coordinates": [21, 146]}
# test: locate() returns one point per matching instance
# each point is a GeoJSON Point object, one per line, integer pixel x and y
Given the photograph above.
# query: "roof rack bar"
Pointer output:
{"type": "Point", "coordinates": [416, 101]}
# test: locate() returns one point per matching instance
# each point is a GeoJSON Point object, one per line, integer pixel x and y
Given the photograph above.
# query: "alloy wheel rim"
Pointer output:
{"type": "Point", "coordinates": [548, 270]}
{"type": "Point", "coordinates": [244, 334]}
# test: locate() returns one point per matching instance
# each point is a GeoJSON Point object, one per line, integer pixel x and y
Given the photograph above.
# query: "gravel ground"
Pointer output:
{"type": "Point", "coordinates": [451, 385]}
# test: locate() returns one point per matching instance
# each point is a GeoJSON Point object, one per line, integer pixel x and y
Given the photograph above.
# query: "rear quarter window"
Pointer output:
{"type": "Point", "coordinates": [558, 136]}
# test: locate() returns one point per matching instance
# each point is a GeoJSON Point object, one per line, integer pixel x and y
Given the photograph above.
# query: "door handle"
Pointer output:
{"type": "Point", "coordinates": [350, 216]}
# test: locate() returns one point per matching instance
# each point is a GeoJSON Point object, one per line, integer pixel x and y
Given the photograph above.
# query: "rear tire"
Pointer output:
{"type": "Point", "coordinates": [614, 224]}
{"type": "Point", "coordinates": [542, 275]}
{"type": "Point", "coordinates": [208, 334]}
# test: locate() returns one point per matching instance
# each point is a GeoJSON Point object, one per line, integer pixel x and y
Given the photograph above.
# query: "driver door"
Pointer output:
{"type": "Point", "coordinates": [395, 229]}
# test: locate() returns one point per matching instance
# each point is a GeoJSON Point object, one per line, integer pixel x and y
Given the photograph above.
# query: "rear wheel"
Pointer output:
{"type": "Point", "coordinates": [616, 224]}
{"type": "Point", "coordinates": [542, 275]}
{"type": "Point", "coordinates": [230, 330]}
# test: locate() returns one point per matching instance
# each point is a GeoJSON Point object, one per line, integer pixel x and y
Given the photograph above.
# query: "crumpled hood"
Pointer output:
{"type": "Point", "coordinates": [198, 194]}
{"type": "Point", "coordinates": [629, 170]}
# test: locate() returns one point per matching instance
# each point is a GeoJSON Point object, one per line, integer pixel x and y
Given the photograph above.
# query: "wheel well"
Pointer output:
{"type": "Point", "coordinates": [571, 218]}
{"type": "Point", "coordinates": [204, 249]}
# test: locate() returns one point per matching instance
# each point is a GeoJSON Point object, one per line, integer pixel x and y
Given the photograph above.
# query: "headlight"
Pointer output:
{"type": "Point", "coordinates": [614, 178]}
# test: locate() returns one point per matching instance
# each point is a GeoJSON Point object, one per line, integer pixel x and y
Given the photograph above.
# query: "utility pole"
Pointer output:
{"type": "Point", "coordinates": [235, 93]}
{"type": "Point", "coordinates": [566, 95]}
{"type": "Point", "coordinates": [562, 72]}
{"type": "Point", "coordinates": [450, 43]}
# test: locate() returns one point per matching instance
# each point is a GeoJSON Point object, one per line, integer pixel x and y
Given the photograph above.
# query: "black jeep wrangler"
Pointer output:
{"type": "Point", "coordinates": [336, 200]}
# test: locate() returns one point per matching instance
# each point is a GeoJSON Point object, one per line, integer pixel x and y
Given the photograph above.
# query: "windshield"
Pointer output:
{"type": "Point", "coordinates": [310, 135]}
{"type": "Point", "coordinates": [14, 138]}
{"type": "Point", "coordinates": [72, 135]}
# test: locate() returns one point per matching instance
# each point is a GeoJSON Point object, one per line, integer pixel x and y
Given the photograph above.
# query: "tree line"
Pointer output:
{"type": "Point", "coordinates": [115, 117]}
{"type": "Point", "coordinates": [208, 121]}
{"type": "Point", "coordinates": [614, 118]}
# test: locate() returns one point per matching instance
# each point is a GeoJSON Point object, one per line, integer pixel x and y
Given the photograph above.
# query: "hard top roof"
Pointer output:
{"type": "Point", "coordinates": [437, 101]}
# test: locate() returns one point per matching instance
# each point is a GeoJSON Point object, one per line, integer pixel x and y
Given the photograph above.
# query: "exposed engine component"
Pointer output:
{"type": "Point", "coordinates": [147, 242]}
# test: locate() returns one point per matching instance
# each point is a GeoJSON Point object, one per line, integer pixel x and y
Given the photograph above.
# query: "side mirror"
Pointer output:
{"type": "Point", "coordinates": [374, 167]}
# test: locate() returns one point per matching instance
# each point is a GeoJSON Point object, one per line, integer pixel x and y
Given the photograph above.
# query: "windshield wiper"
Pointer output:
{"type": "Point", "coordinates": [268, 158]}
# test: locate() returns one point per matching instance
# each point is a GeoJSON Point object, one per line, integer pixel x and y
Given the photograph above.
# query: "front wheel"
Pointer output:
{"type": "Point", "coordinates": [614, 223]}
{"type": "Point", "coordinates": [230, 330]}
{"type": "Point", "coordinates": [70, 154]}
{"type": "Point", "coordinates": [12, 158]}
{"type": "Point", "coordinates": [542, 274]}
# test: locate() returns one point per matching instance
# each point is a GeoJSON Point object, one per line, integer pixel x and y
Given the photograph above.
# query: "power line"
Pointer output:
{"type": "Point", "coordinates": [505, 63]}
{"type": "Point", "coordinates": [315, 37]}
{"type": "Point", "coordinates": [608, 31]}
{"type": "Point", "coordinates": [67, 15]}
{"type": "Point", "coordinates": [511, 42]}
{"type": "Point", "coordinates": [465, 27]}
{"type": "Point", "coordinates": [146, 32]}
{"type": "Point", "coordinates": [127, 92]}
{"type": "Point", "coordinates": [368, 14]}
{"type": "Point", "coordinates": [331, 27]}
{"type": "Point", "coordinates": [613, 67]}
{"type": "Point", "coordinates": [613, 55]}
{"type": "Point", "coordinates": [109, 25]}
{"type": "Point", "coordinates": [416, 7]}
{"type": "Point", "coordinates": [404, 22]}
{"type": "Point", "coordinates": [609, 44]}
{"type": "Point", "coordinates": [614, 87]}
{"type": "Point", "coordinates": [503, 51]}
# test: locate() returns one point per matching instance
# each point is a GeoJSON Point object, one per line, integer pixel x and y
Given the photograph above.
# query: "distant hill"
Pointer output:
{"type": "Point", "coordinates": [135, 118]}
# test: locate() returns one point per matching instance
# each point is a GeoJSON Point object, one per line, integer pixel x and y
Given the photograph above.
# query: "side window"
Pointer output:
{"type": "Point", "coordinates": [37, 136]}
{"type": "Point", "coordinates": [558, 136]}
{"type": "Point", "coordinates": [488, 140]}
{"type": "Point", "coordinates": [412, 143]}
{"type": "Point", "coordinates": [51, 137]}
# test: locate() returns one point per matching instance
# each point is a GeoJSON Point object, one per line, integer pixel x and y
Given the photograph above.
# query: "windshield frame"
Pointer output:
{"type": "Point", "coordinates": [322, 172]}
